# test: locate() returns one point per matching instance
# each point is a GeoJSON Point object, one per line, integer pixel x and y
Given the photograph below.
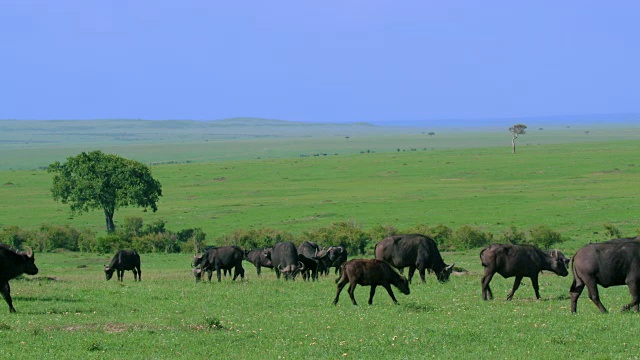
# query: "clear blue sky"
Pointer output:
{"type": "Point", "coordinates": [317, 61]}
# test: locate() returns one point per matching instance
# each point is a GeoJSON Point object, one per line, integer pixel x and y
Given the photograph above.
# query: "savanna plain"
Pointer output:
{"type": "Point", "coordinates": [575, 187]}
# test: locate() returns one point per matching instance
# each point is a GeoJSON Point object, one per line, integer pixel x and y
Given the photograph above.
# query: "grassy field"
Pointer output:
{"type": "Point", "coordinates": [69, 311]}
{"type": "Point", "coordinates": [573, 188]}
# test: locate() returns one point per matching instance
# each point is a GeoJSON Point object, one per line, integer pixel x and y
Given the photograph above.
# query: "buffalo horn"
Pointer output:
{"type": "Point", "coordinates": [301, 265]}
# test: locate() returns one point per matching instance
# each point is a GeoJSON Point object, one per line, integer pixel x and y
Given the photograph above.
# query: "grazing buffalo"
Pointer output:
{"type": "Point", "coordinates": [336, 257]}
{"type": "Point", "coordinates": [284, 257]}
{"type": "Point", "coordinates": [610, 263]}
{"type": "Point", "coordinates": [310, 268]}
{"type": "Point", "coordinates": [14, 264]}
{"type": "Point", "coordinates": [221, 258]}
{"type": "Point", "coordinates": [199, 259]}
{"type": "Point", "coordinates": [519, 261]}
{"type": "Point", "coordinates": [258, 259]}
{"type": "Point", "coordinates": [124, 260]}
{"type": "Point", "coordinates": [370, 272]}
{"type": "Point", "coordinates": [414, 251]}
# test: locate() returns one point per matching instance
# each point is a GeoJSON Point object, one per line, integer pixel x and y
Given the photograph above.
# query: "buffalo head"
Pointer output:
{"type": "Point", "coordinates": [443, 276]}
{"type": "Point", "coordinates": [108, 272]}
{"type": "Point", "coordinates": [30, 264]}
{"type": "Point", "coordinates": [559, 263]}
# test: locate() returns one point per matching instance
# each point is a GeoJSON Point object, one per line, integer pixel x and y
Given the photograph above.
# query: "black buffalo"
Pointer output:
{"type": "Point", "coordinates": [336, 257]}
{"type": "Point", "coordinates": [370, 272]}
{"type": "Point", "coordinates": [14, 264]}
{"type": "Point", "coordinates": [414, 251]}
{"type": "Point", "coordinates": [284, 257]}
{"type": "Point", "coordinates": [124, 260]}
{"type": "Point", "coordinates": [313, 258]}
{"type": "Point", "coordinates": [199, 259]}
{"type": "Point", "coordinates": [610, 263]}
{"type": "Point", "coordinates": [219, 259]}
{"type": "Point", "coordinates": [311, 266]}
{"type": "Point", "coordinates": [258, 259]}
{"type": "Point", "coordinates": [520, 261]}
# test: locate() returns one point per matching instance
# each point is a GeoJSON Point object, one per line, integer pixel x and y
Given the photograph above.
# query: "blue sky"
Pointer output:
{"type": "Point", "coordinates": [317, 61]}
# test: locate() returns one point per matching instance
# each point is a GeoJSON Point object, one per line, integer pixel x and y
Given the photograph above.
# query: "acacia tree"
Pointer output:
{"type": "Point", "coordinates": [518, 129]}
{"type": "Point", "coordinates": [96, 180]}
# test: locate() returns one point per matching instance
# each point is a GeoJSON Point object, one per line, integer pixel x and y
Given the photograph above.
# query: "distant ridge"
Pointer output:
{"type": "Point", "coordinates": [586, 119]}
{"type": "Point", "coordinates": [253, 121]}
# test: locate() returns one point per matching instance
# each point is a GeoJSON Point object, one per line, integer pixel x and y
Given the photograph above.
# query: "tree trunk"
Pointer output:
{"type": "Point", "coordinates": [513, 144]}
{"type": "Point", "coordinates": [108, 216]}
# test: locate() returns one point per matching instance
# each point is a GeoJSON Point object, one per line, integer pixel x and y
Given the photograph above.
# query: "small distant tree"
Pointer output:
{"type": "Point", "coordinates": [96, 180]}
{"type": "Point", "coordinates": [518, 129]}
{"type": "Point", "coordinates": [431, 133]}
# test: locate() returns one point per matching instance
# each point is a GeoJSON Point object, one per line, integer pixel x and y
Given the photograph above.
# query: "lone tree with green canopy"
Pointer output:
{"type": "Point", "coordinates": [96, 180]}
{"type": "Point", "coordinates": [518, 129]}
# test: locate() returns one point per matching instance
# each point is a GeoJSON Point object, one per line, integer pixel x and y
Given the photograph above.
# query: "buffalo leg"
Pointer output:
{"type": "Point", "coordinates": [592, 287]}
{"type": "Point", "coordinates": [219, 274]}
{"type": "Point", "coordinates": [516, 285]}
{"type": "Point", "coordinates": [412, 270]}
{"type": "Point", "coordinates": [135, 274]}
{"type": "Point", "coordinates": [120, 275]}
{"type": "Point", "coordinates": [536, 288]}
{"type": "Point", "coordinates": [258, 269]}
{"type": "Point", "coordinates": [139, 274]}
{"type": "Point", "coordinates": [486, 289]}
{"type": "Point", "coordinates": [421, 270]}
{"type": "Point", "coordinates": [209, 274]}
{"type": "Point", "coordinates": [633, 289]}
{"type": "Point", "coordinates": [371, 293]}
{"type": "Point", "coordinates": [6, 294]}
{"type": "Point", "coordinates": [575, 291]}
{"type": "Point", "coordinates": [341, 284]}
{"type": "Point", "coordinates": [352, 288]}
{"type": "Point", "coordinates": [388, 287]}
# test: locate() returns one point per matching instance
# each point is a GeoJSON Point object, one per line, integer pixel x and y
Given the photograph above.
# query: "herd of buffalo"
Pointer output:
{"type": "Point", "coordinates": [610, 263]}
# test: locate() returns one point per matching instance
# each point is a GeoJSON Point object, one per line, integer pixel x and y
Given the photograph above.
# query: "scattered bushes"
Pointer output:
{"type": "Point", "coordinates": [155, 237]}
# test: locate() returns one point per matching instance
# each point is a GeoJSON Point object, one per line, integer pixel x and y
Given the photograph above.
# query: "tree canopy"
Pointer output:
{"type": "Point", "coordinates": [96, 180]}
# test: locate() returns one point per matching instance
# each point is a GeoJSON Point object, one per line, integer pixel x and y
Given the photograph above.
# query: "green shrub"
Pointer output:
{"type": "Point", "coordinates": [59, 237]}
{"type": "Point", "coordinates": [544, 237]}
{"type": "Point", "coordinates": [380, 232]}
{"type": "Point", "coordinates": [611, 231]}
{"type": "Point", "coordinates": [255, 238]}
{"type": "Point", "coordinates": [111, 243]}
{"type": "Point", "coordinates": [441, 234]}
{"type": "Point", "coordinates": [191, 240]}
{"type": "Point", "coordinates": [469, 237]}
{"type": "Point", "coordinates": [512, 236]}
{"type": "Point", "coordinates": [15, 237]}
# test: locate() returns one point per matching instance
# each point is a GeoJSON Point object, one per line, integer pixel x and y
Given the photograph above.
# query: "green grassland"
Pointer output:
{"type": "Point", "coordinates": [573, 185]}
{"type": "Point", "coordinates": [572, 188]}
{"type": "Point", "coordinates": [69, 311]}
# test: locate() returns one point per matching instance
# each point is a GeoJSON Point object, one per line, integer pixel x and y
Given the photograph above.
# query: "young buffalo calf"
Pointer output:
{"type": "Point", "coordinates": [370, 272]}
